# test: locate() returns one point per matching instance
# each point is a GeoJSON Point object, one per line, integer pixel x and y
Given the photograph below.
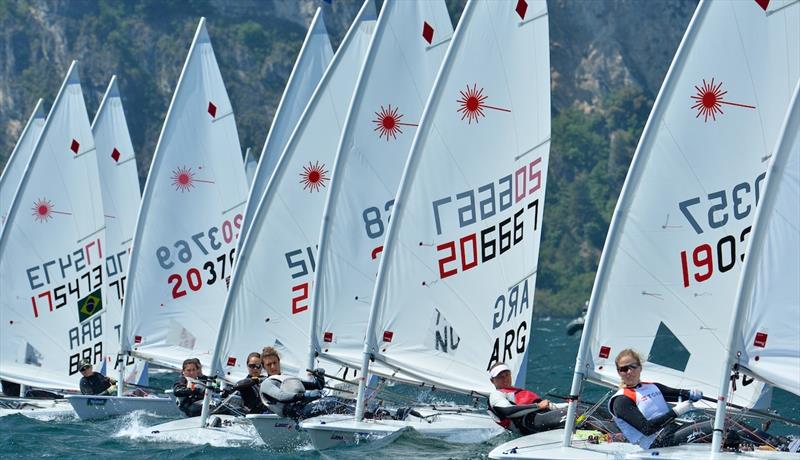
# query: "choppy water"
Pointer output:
{"type": "Point", "coordinates": [549, 370]}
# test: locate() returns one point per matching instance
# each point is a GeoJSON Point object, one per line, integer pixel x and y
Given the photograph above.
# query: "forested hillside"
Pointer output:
{"type": "Point", "coordinates": [608, 59]}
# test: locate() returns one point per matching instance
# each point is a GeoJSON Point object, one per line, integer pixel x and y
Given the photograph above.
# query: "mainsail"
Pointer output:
{"type": "Point", "coordinates": [15, 166]}
{"type": "Point", "coordinates": [52, 253]}
{"type": "Point", "coordinates": [269, 299]}
{"type": "Point", "coordinates": [463, 241]}
{"type": "Point", "coordinates": [119, 181]}
{"type": "Point", "coordinates": [191, 215]}
{"type": "Point", "coordinates": [670, 267]}
{"type": "Point", "coordinates": [314, 57]}
{"type": "Point", "coordinates": [410, 41]}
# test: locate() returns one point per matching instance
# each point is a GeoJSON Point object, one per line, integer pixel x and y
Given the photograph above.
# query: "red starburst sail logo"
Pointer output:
{"type": "Point", "coordinates": [314, 176]}
{"type": "Point", "coordinates": [472, 104]}
{"type": "Point", "coordinates": [43, 210]}
{"type": "Point", "coordinates": [710, 98]}
{"type": "Point", "coordinates": [184, 179]}
{"type": "Point", "coordinates": [387, 122]}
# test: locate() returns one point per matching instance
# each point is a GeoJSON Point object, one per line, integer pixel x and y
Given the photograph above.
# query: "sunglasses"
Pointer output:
{"type": "Point", "coordinates": [629, 367]}
{"type": "Point", "coordinates": [84, 368]}
{"type": "Point", "coordinates": [254, 366]}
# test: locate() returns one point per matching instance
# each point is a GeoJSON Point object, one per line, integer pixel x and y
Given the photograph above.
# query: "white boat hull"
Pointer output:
{"type": "Point", "coordinates": [278, 433]}
{"type": "Point", "coordinates": [93, 407]}
{"type": "Point", "coordinates": [547, 446]}
{"type": "Point", "coordinates": [329, 431]}
{"type": "Point", "coordinates": [234, 431]}
{"type": "Point", "coordinates": [44, 409]}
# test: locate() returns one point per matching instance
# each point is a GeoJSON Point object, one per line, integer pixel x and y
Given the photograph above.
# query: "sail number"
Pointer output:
{"type": "Point", "coordinates": [183, 249]}
{"type": "Point", "coordinates": [705, 257]}
{"type": "Point", "coordinates": [214, 269]}
{"type": "Point", "coordinates": [463, 254]}
{"type": "Point", "coordinates": [301, 263]}
{"type": "Point", "coordinates": [718, 212]}
{"type": "Point", "coordinates": [483, 203]}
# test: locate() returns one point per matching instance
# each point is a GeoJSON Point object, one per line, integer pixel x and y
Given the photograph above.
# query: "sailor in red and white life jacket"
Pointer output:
{"type": "Point", "coordinates": [641, 411]}
{"type": "Point", "coordinates": [519, 409]}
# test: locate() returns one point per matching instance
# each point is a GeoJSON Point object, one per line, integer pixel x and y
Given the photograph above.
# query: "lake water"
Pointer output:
{"type": "Point", "coordinates": [549, 370]}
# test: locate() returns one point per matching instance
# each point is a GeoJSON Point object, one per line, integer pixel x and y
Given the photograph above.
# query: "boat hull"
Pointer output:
{"type": "Point", "coordinates": [46, 409]}
{"type": "Point", "coordinates": [90, 407]}
{"type": "Point", "coordinates": [330, 431]}
{"type": "Point", "coordinates": [233, 431]}
{"type": "Point", "coordinates": [278, 433]}
{"type": "Point", "coordinates": [547, 446]}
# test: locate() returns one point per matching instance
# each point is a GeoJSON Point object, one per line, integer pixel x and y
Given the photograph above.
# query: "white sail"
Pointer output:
{"type": "Point", "coordinates": [250, 165]}
{"type": "Point", "coordinates": [769, 335]}
{"type": "Point", "coordinates": [410, 41]}
{"type": "Point", "coordinates": [269, 299]}
{"type": "Point", "coordinates": [12, 173]}
{"type": "Point", "coordinates": [314, 58]}
{"type": "Point", "coordinates": [670, 268]}
{"type": "Point", "coordinates": [119, 181]}
{"type": "Point", "coordinates": [463, 242]}
{"type": "Point", "coordinates": [51, 254]}
{"type": "Point", "coordinates": [189, 222]}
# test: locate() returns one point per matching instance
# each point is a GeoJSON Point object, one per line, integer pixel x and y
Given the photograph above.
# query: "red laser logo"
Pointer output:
{"type": "Point", "coordinates": [43, 210]}
{"type": "Point", "coordinates": [709, 101]}
{"type": "Point", "coordinates": [314, 177]}
{"type": "Point", "coordinates": [472, 104]}
{"type": "Point", "coordinates": [388, 123]}
{"type": "Point", "coordinates": [183, 179]}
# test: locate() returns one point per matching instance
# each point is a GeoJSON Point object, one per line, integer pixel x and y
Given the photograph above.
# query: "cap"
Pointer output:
{"type": "Point", "coordinates": [498, 369]}
{"type": "Point", "coordinates": [84, 364]}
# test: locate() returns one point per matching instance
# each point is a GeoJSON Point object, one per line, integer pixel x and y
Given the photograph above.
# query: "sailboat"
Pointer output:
{"type": "Point", "coordinates": [51, 256]}
{"type": "Point", "coordinates": [670, 267]}
{"type": "Point", "coordinates": [119, 181]}
{"type": "Point", "coordinates": [312, 61]}
{"type": "Point", "coordinates": [462, 244]}
{"type": "Point", "coordinates": [190, 218]}
{"type": "Point", "coordinates": [268, 301]}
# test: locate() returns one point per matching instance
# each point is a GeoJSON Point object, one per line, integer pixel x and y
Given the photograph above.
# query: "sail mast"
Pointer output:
{"type": "Point", "coordinates": [626, 194]}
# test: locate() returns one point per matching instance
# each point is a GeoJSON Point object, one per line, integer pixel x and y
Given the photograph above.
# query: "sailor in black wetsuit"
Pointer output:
{"type": "Point", "coordinates": [95, 383]}
{"type": "Point", "coordinates": [189, 389]}
{"type": "Point", "coordinates": [248, 387]}
{"type": "Point", "coordinates": [641, 411]}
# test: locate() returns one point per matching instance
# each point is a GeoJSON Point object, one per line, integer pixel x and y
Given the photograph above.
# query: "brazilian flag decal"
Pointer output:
{"type": "Point", "coordinates": [89, 305]}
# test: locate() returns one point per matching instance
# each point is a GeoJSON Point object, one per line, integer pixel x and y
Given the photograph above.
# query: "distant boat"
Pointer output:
{"type": "Point", "coordinates": [576, 325]}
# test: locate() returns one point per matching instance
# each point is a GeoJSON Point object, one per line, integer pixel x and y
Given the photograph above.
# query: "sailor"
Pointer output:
{"type": "Point", "coordinates": [519, 409]}
{"type": "Point", "coordinates": [640, 409]}
{"type": "Point", "coordinates": [248, 387]}
{"type": "Point", "coordinates": [95, 383]}
{"type": "Point", "coordinates": [190, 388]}
{"type": "Point", "coordinates": [286, 395]}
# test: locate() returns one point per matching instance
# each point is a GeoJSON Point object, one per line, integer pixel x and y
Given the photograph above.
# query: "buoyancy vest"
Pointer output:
{"type": "Point", "coordinates": [651, 404]}
{"type": "Point", "coordinates": [517, 396]}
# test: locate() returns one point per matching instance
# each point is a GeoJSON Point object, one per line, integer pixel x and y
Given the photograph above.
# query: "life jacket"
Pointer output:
{"type": "Point", "coordinates": [522, 396]}
{"type": "Point", "coordinates": [651, 404]}
{"type": "Point", "coordinates": [518, 396]}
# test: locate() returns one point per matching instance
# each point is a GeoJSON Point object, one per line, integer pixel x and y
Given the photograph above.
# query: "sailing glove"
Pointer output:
{"type": "Point", "coordinates": [682, 408]}
{"type": "Point", "coordinates": [695, 395]}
